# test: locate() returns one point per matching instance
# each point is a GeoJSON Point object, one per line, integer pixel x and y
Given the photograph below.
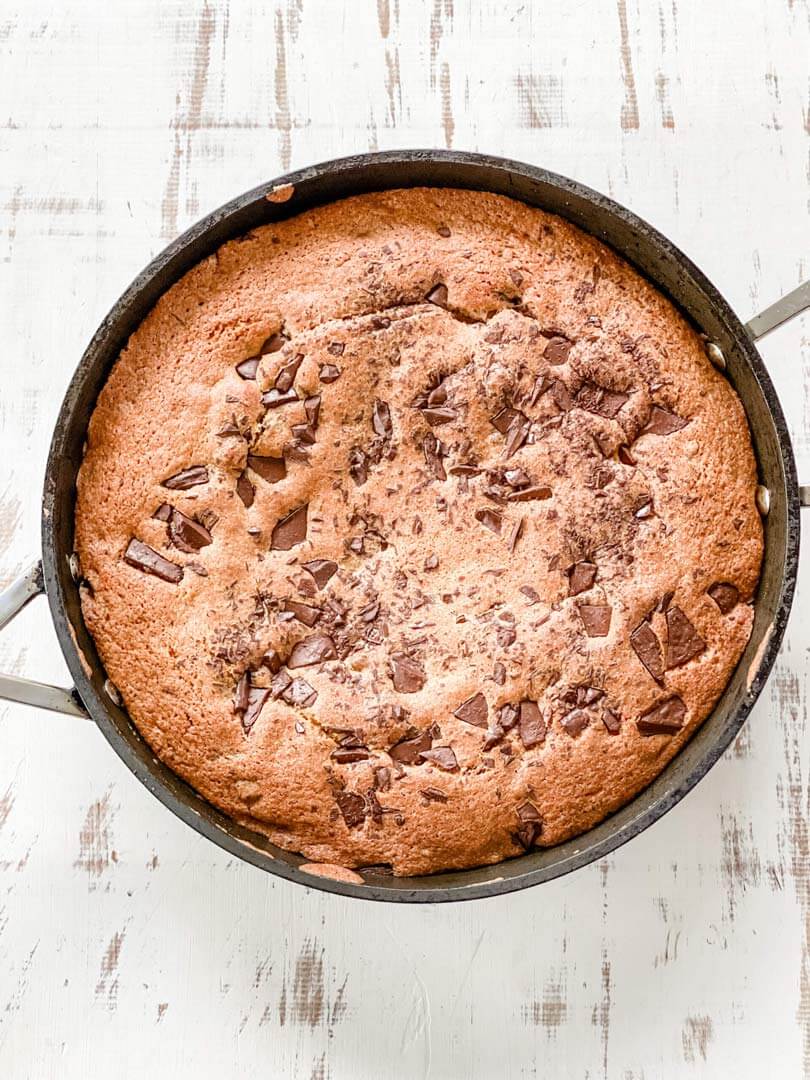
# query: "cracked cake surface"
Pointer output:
{"type": "Point", "coordinates": [417, 530]}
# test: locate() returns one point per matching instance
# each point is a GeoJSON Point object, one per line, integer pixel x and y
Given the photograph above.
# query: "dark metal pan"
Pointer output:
{"type": "Point", "coordinates": [730, 344]}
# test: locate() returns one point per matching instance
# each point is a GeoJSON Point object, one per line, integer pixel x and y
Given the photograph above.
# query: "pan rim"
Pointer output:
{"type": "Point", "coordinates": [216, 826]}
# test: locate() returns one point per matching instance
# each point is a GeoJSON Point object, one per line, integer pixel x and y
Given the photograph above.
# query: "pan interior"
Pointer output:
{"type": "Point", "coordinates": [654, 257]}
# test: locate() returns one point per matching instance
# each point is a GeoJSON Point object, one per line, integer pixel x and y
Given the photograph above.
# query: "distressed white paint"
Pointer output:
{"type": "Point", "coordinates": [128, 945]}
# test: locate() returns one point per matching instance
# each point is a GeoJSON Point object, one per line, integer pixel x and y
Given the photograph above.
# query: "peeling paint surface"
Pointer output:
{"type": "Point", "coordinates": [131, 947]}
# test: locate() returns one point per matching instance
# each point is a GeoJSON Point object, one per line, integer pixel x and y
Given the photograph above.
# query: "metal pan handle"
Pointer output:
{"type": "Point", "coordinates": [26, 691]}
{"type": "Point", "coordinates": [781, 312]}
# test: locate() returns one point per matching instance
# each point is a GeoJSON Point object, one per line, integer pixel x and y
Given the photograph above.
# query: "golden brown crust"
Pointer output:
{"type": "Point", "coordinates": [563, 603]}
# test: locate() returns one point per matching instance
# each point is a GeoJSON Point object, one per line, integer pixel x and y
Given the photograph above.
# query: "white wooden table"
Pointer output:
{"type": "Point", "coordinates": [131, 947]}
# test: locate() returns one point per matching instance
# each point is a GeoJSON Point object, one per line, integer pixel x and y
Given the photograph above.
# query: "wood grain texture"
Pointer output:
{"type": "Point", "coordinates": [130, 946]}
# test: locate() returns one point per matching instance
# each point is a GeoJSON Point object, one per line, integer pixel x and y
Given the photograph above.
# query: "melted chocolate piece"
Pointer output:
{"type": "Point", "coordinates": [596, 619]}
{"type": "Point", "coordinates": [312, 650]}
{"type": "Point", "coordinates": [663, 422]}
{"type": "Point", "coordinates": [531, 725]}
{"type": "Point", "coordinates": [581, 577]}
{"type": "Point", "coordinates": [647, 648]}
{"type": "Point", "coordinates": [407, 676]}
{"type": "Point", "coordinates": [144, 558]}
{"type": "Point", "coordinates": [530, 826]}
{"type": "Point", "coordinates": [291, 530]}
{"type": "Point", "coordinates": [188, 478]}
{"type": "Point", "coordinates": [352, 808]}
{"type": "Point", "coordinates": [245, 490]}
{"type": "Point", "coordinates": [409, 751]}
{"type": "Point", "coordinates": [271, 469]}
{"type": "Point", "coordinates": [725, 595]}
{"type": "Point", "coordinates": [557, 349]}
{"type": "Point", "coordinates": [575, 722]}
{"type": "Point", "coordinates": [683, 641]}
{"type": "Point", "coordinates": [473, 711]}
{"type": "Point", "coordinates": [612, 721]}
{"type": "Point", "coordinates": [256, 699]}
{"type": "Point", "coordinates": [442, 756]}
{"type": "Point", "coordinates": [186, 534]}
{"type": "Point", "coordinates": [322, 570]}
{"type": "Point", "coordinates": [666, 718]}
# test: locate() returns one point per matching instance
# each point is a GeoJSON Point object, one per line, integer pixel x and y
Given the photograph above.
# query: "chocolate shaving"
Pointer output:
{"type": "Point", "coordinates": [683, 641]}
{"type": "Point", "coordinates": [663, 422]}
{"type": "Point", "coordinates": [188, 478]}
{"type": "Point", "coordinates": [531, 725]}
{"type": "Point", "coordinates": [665, 718]}
{"type": "Point", "coordinates": [581, 577]}
{"type": "Point", "coordinates": [271, 469]}
{"type": "Point", "coordinates": [625, 457]}
{"type": "Point", "coordinates": [312, 650]}
{"type": "Point", "coordinates": [529, 494]}
{"type": "Point", "coordinates": [321, 570]}
{"type": "Point", "coordinates": [291, 530]}
{"type": "Point", "coordinates": [647, 648]}
{"type": "Point", "coordinates": [473, 711]}
{"type": "Point", "coordinates": [432, 794]}
{"type": "Point", "coordinates": [596, 619]}
{"type": "Point", "coordinates": [725, 595]}
{"type": "Point", "coordinates": [442, 756]}
{"type": "Point", "coordinates": [407, 676]}
{"type": "Point", "coordinates": [304, 433]}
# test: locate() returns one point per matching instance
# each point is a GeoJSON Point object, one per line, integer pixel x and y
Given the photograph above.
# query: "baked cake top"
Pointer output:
{"type": "Point", "coordinates": [417, 530]}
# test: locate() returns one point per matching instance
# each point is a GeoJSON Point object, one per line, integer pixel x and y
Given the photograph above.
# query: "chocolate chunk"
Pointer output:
{"type": "Point", "coordinates": [271, 469]}
{"type": "Point", "coordinates": [644, 511]}
{"type": "Point", "coordinates": [443, 230]}
{"type": "Point", "coordinates": [256, 699]}
{"type": "Point", "coordinates": [441, 414]}
{"type": "Point", "coordinates": [291, 530]}
{"type": "Point", "coordinates": [517, 478]}
{"type": "Point", "coordinates": [600, 400]}
{"type": "Point", "coordinates": [241, 697]}
{"type": "Point", "coordinates": [434, 452]}
{"type": "Point", "coordinates": [272, 661]}
{"type": "Point", "coordinates": [229, 429]}
{"type": "Point", "coordinates": [407, 676]}
{"type": "Point", "coordinates": [279, 683]}
{"type": "Point", "coordinates": [647, 648]}
{"type": "Point", "coordinates": [186, 534]}
{"type": "Point", "coordinates": [163, 512]}
{"type": "Point", "coordinates": [531, 725]}
{"type": "Point", "coordinates": [312, 407]}
{"type": "Point", "coordinates": [438, 395]}
{"type": "Point", "coordinates": [665, 718]}
{"type": "Point", "coordinates": [504, 419]}
{"type": "Point", "coordinates": [665, 602]}
{"type": "Point", "coordinates": [724, 595]}
{"type": "Point", "coordinates": [348, 756]}
{"type": "Point", "coordinates": [438, 295]}
{"type": "Point", "coordinates": [286, 376]}
{"type": "Point", "coordinates": [625, 457]}
{"type": "Point", "coordinates": [304, 433]}
{"type": "Point", "coordinates": [312, 650]}
{"type": "Point", "coordinates": [663, 422]}
{"type": "Point", "coordinates": [683, 641]}
{"type": "Point", "coordinates": [358, 465]}
{"type": "Point", "coordinates": [336, 348]}
{"type": "Point", "coordinates": [531, 594]}
{"type": "Point", "coordinates": [432, 794]}
{"type": "Point", "coordinates": [557, 349]}
{"type": "Point", "coordinates": [274, 343]}
{"type": "Point", "coordinates": [464, 470]}
{"type": "Point", "coordinates": [561, 395]}
{"type": "Point", "coordinates": [188, 478]}
{"type": "Point", "coordinates": [299, 692]}
{"type": "Point", "coordinates": [516, 435]}
{"type": "Point", "coordinates": [575, 722]}
{"type": "Point", "coordinates": [529, 494]}
{"type": "Point", "coordinates": [245, 490]}
{"type": "Point", "coordinates": [595, 619]}
{"type": "Point", "coordinates": [612, 721]}
{"type": "Point", "coordinates": [352, 807]}
{"type": "Point", "coordinates": [581, 577]}
{"type": "Point", "coordinates": [248, 368]}
{"type": "Point", "coordinates": [508, 716]}
{"type": "Point", "coordinates": [499, 674]}
{"type": "Point", "coordinates": [328, 373]}
{"type": "Point", "coordinates": [321, 570]}
{"type": "Point", "coordinates": [473, 711]}
{"type": "Point", "coordinates": [274, 398]}
{"type": "Point", "coordinates": [541, 384]}
{"type": "Point", "coordinates": [442, 756]}
{"type": "Point", "coordinates": [303, 612]}
{"type": "Point", "coordinates": [490, 519]}
{"type": "Point", "coordinates": [381, 419]}
{"type": "Point", "coordinates": [587, 695]}
{"type": "Point", "coordinates": [409, 751]}
{"type": "Point", "coordinates": [530, 826]}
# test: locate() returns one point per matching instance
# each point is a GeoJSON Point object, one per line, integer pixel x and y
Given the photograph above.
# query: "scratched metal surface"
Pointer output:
{"type": "Point", "coordinates": [130, 946]}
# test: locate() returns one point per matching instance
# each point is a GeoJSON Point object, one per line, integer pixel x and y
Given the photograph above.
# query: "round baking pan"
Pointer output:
{"type": "Point", "coordinates": [730, 345]}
